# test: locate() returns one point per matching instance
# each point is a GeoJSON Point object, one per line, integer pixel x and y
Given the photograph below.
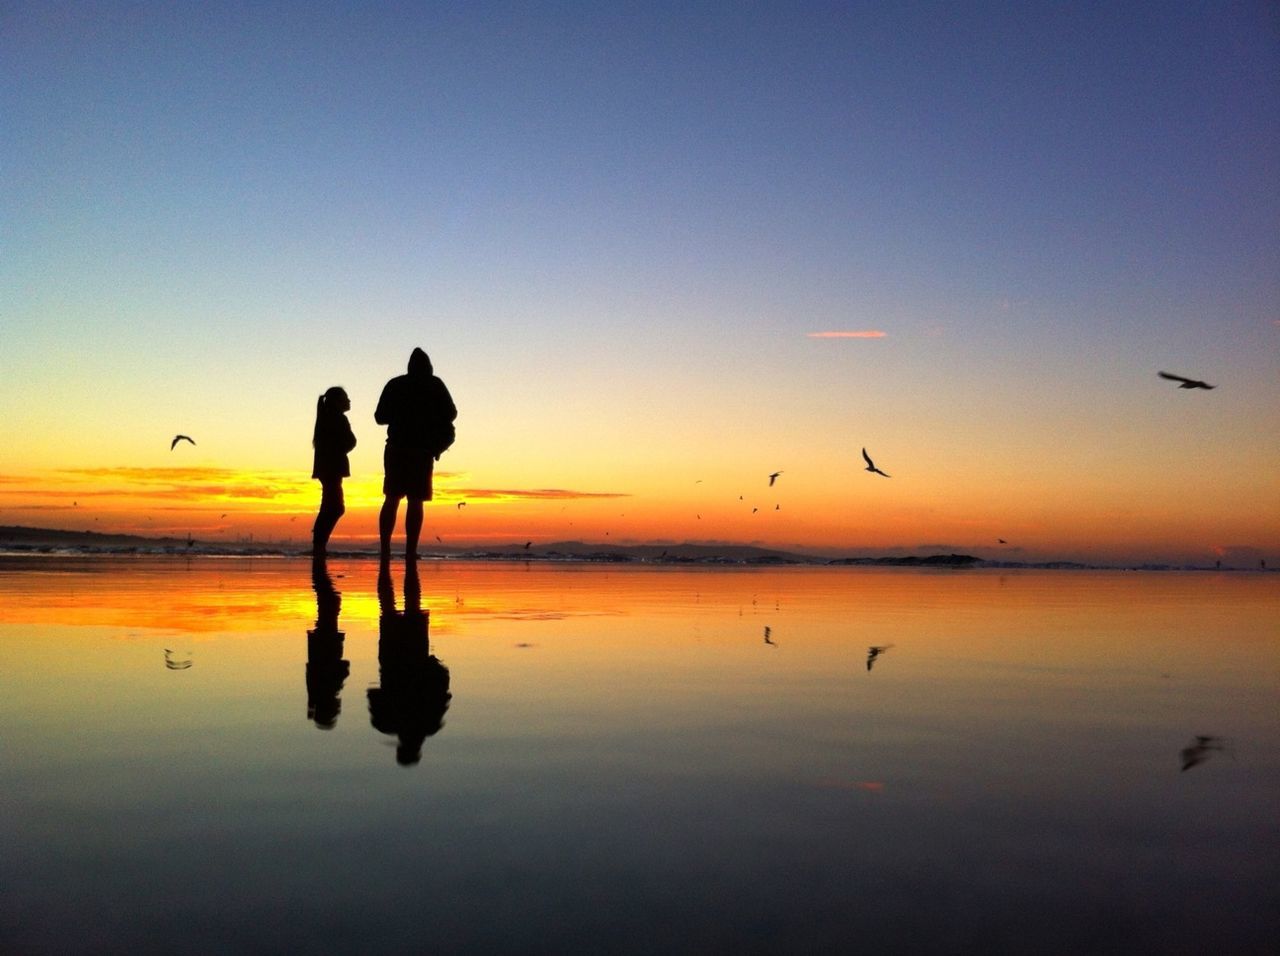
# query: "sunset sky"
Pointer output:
{"type": "Point", "coordinates": [657, 252]}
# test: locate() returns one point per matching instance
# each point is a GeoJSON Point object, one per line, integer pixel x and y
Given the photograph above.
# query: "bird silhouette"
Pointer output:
{"type": "Point", "coordinates": [177, 438]}
{"type": "Point", "coordinates": [767, 632]}
{"type": "Point", "coordinates": [1200, 749]}
{"type": "Point", "coordinates": [461, 505]}
{"type": "Point", "coordinates": [875, 651]}
{"type": "Point", "coordinates": [871, 465]}
{"type": "Point", "coordinates": [773, 477]}
{"type": "Point", "coordinates": [1002, 540]}
{"type": "Point", "coordinates": [1186, 382]}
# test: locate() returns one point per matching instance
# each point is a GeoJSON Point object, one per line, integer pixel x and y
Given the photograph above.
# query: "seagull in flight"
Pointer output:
{"type": "Point", "coordinates": [871, 465]}
{"type": "Point", "coordinates": [177, 438]}
{"type": "Point", "coordinates": [1186, 382]}
{"type": "Point", "coordinates": [773, 478]}
{"type": "Point", "coordinates": [1200, 749]}
{"type": "Point", "coordinates": [876, 650]}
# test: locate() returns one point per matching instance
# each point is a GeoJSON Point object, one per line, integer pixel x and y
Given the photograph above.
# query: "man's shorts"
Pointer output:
{"type": "Point", "coordinates": [407, 473]}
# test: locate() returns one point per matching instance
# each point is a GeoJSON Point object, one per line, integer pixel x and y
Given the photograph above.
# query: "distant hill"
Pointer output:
{"type": "Point", "coordinates": [14, 535]}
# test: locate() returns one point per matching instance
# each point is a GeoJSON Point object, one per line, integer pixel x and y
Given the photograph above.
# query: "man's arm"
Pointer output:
{"type": "Point", "coordinates": [446, 402]}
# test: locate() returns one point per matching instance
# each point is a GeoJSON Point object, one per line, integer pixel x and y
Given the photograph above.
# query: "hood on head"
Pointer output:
{"type": "Point", "coordinates": [419, 364]}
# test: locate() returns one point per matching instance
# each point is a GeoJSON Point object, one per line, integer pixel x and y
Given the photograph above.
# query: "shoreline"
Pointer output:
{"type": "Point", "coordinates": [20, 542]}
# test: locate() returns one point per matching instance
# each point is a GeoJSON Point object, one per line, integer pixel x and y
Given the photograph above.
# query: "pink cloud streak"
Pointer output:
{"type": "Point", "coordinates": [867, 334]}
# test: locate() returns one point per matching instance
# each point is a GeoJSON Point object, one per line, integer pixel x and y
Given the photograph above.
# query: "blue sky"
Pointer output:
{"type": "Point", "coordinates": [614, 225]}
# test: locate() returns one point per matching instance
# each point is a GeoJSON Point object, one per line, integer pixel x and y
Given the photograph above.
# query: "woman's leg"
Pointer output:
{"type": "Point", "coordinates": [332, 507]}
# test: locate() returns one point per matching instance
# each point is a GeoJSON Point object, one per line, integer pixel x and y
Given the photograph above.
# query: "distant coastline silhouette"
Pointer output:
{"type": "Point", "coordinates": [326, 669]}
{"type": "Point", "coordinates": [413, 695]}
{"type": "Point", "coordinates": [419, 414]}
{"type": "Point", "coordinates": [332, 440]}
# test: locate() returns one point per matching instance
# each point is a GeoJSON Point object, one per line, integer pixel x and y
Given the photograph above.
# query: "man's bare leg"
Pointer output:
{"type": "Point", "coordinates": [387, 525]}
{"type": "Point", "coordinates": [412, 527]}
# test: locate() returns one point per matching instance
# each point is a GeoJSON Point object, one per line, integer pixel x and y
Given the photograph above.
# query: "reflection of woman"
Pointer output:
{"type": "Point", "coordinates": [326, 670]}
{"type": "Point", "coordinates": [414, 694]}
{"type": "Point", "coordinates": [332, 440]}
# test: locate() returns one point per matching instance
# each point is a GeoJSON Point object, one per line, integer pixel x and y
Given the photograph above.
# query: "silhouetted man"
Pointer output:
{"type": "Point", "coordinates": [418, 412]}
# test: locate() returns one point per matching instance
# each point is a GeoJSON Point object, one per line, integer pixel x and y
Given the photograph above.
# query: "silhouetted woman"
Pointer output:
{"type": "Point", "coordinates": [332, 440]}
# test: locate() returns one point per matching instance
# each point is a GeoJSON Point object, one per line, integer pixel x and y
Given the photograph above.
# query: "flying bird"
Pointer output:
{"type": "Point", "coordinates": [871, 465]}
{"type": "Point", "coordinates": [461, 505]}
{"type": "Point", "coordinates": [1200, 749]}
{"type": "Point", "coordinates": [1002, 540]}
{"type": "Point", "coordinates": [768, 631]}
{"type": "Point", "coordinates": [875, 651]}
{"type": "Point", "coordinates": [773, 478]}
{"type": "Point", "coordinates": [177, 438]}
{"type": "Point", "coordinates": [1186, 382]}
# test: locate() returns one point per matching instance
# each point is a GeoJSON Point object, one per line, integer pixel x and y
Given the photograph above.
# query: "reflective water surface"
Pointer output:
{"type": "Point", "coordinates": [241, 755]}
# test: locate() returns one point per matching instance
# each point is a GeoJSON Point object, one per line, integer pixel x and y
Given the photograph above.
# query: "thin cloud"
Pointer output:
{"type": "Point", "coordinates": [863, 334]}
{"type": "Point", "coordinates": [189, 483]}
{"type": "Point", "coordinates": [534, 494]}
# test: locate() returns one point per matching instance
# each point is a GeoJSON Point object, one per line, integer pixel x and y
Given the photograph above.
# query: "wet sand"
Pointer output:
{"type": "Point", "coordinates": [213, 754]}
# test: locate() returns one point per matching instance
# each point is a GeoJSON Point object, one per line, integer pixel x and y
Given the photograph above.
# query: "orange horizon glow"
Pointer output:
{"type": "Point", "coordinates": [842, 514]}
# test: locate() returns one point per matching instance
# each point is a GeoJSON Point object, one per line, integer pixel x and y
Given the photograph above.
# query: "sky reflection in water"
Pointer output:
{"type": "Point", "coordinates": [615, 757]}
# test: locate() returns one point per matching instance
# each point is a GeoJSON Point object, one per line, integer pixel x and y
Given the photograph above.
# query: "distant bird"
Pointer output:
{"type": "Point", "coordinates": [773, 478]}
{"type": "Point", "coordinates": [190, 541]}
{"type": "Point", "coordinates": [1186, 382]}
{"type": "Point", "coordinates": [461, 505]}
{"type": "Point", "coordinates": [754, 510]}
{"type": "Point", "coordinates": [875, 651]}
{"type": "Point", "coordinates": [777, 507]}
{"type": "Point", "coordinates": [1002, 540]}
{"type": "Point", "coordinates": [768, 631]}
{"type": "Point", "coordinates": [177, 438]}
{"type": "Point", "coordinates": [220, 517]}
{"type": "Point", "coordinates": [440, 539]}
{"type": "Point", "coordinates": [526, 545]}
{"type": "Point", "coordinates": [871, 465]}
{"type": "Point", "coordinates": [1200, 750]}
{"type": "Point", "coordinates": [174, 663]}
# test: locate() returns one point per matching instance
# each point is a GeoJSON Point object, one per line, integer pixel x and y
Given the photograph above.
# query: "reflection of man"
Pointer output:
{"type": "Point", "coordinates": [414, 694]}
{"type": "Point", "coordinates": [418, 412]}
{"type": "Point", "coordinates": [326, 670]}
